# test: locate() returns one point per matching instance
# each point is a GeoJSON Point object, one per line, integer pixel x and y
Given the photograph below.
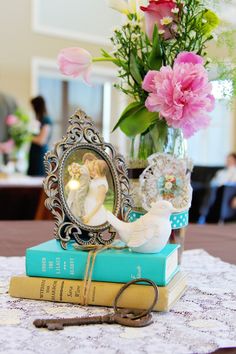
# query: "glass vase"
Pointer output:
{"type": "Point", "coordinates": [156, 139]}
{"type": "Point", "coordinates": [165, 140]}
{"type": "Point", "coordinates": [168, 140]}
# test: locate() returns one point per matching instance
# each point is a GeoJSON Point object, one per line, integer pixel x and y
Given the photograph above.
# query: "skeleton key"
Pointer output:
{"type": "Point", "coordinates": [122, 319]}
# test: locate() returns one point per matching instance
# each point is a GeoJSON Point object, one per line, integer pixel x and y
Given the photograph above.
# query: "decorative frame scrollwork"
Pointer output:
{"type": "Point", "coordinates": [82, 134]}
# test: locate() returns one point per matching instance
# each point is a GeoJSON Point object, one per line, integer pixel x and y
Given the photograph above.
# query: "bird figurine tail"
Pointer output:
{"type": "Point", "coordinates": [119, 225]}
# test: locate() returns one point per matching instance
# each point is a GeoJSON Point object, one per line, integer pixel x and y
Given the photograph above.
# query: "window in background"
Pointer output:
{"type": "Point", "coordinates": [64, 97]}
{"type": "Point", "coordinates": [51, 90]}
{"type": "Point", "coordinates": [210, 146]}
{"type": "Point", "coordinates": [90, 99]}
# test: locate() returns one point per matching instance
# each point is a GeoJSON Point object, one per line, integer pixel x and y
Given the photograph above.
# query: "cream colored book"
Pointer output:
{"type": "Point", "coordinates": [100, 294]}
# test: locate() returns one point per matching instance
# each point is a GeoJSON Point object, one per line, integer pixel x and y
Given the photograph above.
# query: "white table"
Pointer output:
{"type": "Point", "coordinates": [203, 320]}
{"type": "Point", "coordinates": [18, 180]}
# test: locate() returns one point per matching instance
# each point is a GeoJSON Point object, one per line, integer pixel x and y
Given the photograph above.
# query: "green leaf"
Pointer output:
{"type": "Point", "coordinates": [212, 21]}
{"type": "Point", "coordinates": [206, 22]}
{"type": "Point", "coordinates": [134, 70]}
{"type": "Point", "coordinates": [138, 122]}
{"type": "Point", "coordinates": [159, 133]}
{"type": "Point", "coordinates": [105, 54]}
{"type": "Point", "coordinates": [155, 57]}
{"type": "Point", "coordinates": [131, 109]}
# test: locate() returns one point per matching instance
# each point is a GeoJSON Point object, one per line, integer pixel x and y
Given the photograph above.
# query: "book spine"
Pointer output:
{"type": "Point", "coordinates": [108, 268]}
{"type": "Point", "coordinates": [102, 294]}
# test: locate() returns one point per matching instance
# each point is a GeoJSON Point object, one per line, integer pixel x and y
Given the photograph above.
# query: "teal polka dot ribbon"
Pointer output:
{"type": "Point", "coordinates": [178, 220]}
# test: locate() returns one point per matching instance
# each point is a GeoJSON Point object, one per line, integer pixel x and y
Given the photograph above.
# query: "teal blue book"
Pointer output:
{"type": "Point", "coordinates": [119, 266]}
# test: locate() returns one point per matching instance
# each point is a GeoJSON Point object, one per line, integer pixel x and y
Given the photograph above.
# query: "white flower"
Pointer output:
{"type": "Point", "coordinates": [192, 34]}
{"type": "Point", "coordinates": [118, 5]}
{"type": "Point", "coordinates": [175, 10]}
{"type": "Point", "coordinates": [135, 36]}
{"type": "Point", "coordinates": [161, 31]}
{"type": "Point", "coordinates": [134, 24]}
{"type": "Point", "coordinates": [166, 20]}
{"type": "Point", "coordinates": [168, 185]}
{"type": "Point", "coordinates": [127, 7]}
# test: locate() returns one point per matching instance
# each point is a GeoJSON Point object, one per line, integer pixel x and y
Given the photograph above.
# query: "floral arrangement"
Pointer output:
{"type": "Point", "coordinates": [161, 55]}
{"type": "Point", "coordinates": [18, 129]}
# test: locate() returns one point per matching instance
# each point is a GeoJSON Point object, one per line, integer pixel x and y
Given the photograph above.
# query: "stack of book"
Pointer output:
{"type": "Point", "coordinates": [55, 274]}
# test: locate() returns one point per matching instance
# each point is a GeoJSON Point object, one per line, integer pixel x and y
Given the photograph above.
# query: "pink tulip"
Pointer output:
{"type": "Point", "coordinates": [182, 94]}
{"type": "Point", "coordinates": [11, 120]}
{"type": "Point", "coordinates": [74, 62]}
{"type": "Point", "coordinates": [155, 12]}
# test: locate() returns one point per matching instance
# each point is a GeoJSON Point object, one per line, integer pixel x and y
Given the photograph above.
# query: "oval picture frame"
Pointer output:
{"type": "Point", "coordinates": [115, 179]}
{"type": "Point", "coordinates": [73, 181]}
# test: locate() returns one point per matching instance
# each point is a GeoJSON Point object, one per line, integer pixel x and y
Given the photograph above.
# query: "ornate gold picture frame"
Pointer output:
{"type": "Point", "coordinates": [85, 177]}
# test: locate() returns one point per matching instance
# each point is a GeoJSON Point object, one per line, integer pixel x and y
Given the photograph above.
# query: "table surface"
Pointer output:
{"type": "Point", "coordinates": [18, 180]}
{"type": "Point", "coordinates": [218, 240]}
{"type": "Point", "coordinates": [202, 321]}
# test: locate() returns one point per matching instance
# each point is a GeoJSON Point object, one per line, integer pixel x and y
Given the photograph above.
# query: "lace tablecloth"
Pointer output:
{"type": "Point", "coordinates": [202, 321]}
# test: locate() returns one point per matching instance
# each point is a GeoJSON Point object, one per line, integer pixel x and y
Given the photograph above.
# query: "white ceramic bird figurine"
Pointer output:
{"type": "Point", "coordinates": [148, 234]}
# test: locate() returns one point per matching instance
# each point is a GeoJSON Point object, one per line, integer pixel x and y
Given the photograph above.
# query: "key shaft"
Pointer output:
{"type": "Point", "coordinates": [59, 323]}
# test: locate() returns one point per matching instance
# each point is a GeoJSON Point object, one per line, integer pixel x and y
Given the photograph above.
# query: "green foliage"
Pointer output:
{"type": "Point", "coordinates": [134, 69]}
{"type": "Point", "coordinates": [226, 66]}
{"type": "Point", "coordinates": [136, 119]}
{"type": "Point", "coordinates": [211, 20]}
{"type": "Point", "coordinates": [193, 30]}
{"type": "Point", "coordinates": [154, 139]}
{"type": "Point", "coordinates": [131, 51]}
{"type": "Point", "coordinates": [155, 57]}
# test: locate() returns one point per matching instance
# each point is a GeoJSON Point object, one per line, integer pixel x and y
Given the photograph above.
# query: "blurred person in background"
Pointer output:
{"type": "Point", "coordinates": [39, 142]}
{"type": "Point", "coordinates": [223, 177]}
{"type": "Point", "coordinates": [8, 106]}
{"type": "Point", "coordinates": [228, 174]}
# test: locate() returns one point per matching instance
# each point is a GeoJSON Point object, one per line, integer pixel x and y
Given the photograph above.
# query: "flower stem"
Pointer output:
{"type": "Point", "coordinates": [112, 59]}
{"type": "Point", "coordinates": [132, 148]}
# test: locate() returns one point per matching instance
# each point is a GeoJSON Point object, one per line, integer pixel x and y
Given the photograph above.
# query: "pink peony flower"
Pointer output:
{"type": "Point", "coordinates": [182, 95]}
{"type": "Point", "coordinates": [11, 120]}
{"type": "Point", "coordinates": [158, 12]}
{"type": "Point", "coordinates": [74, 62]}
{"type": "Point", "coordinates": [188, 57]}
